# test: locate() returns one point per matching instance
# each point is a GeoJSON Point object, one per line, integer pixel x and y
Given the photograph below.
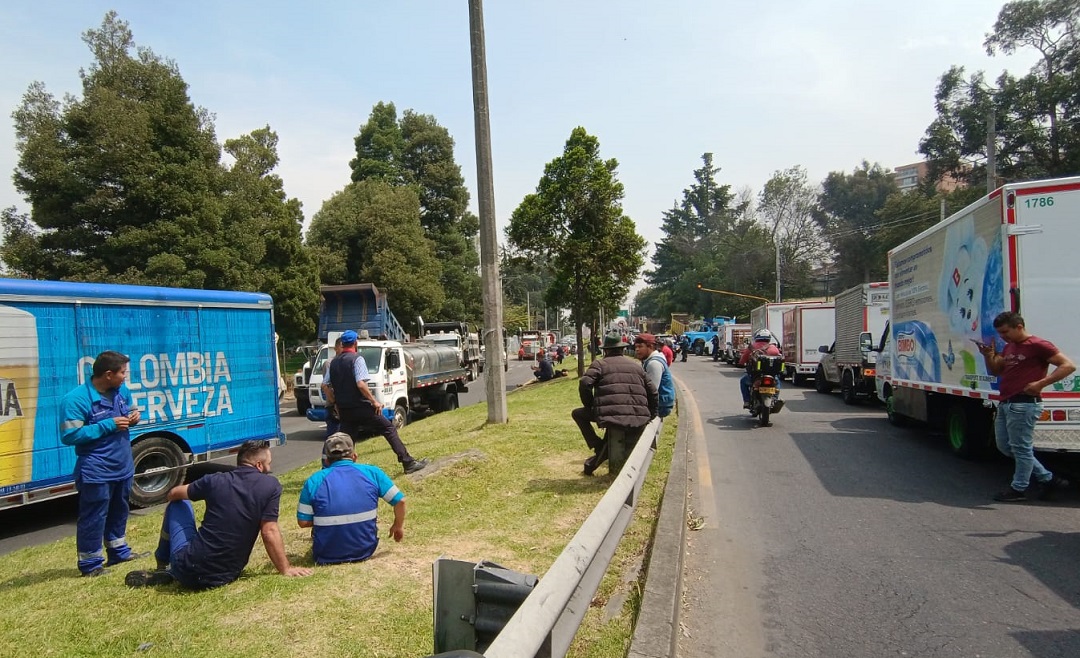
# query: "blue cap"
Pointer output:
{"type": "Point", "coordinates": [348, 338]}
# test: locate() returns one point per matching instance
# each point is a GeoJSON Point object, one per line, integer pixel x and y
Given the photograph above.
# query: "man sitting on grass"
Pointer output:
{"type": "Point", "coordinates": [240, 505]}
{"type": "Point", "coordinates": [340, 504]}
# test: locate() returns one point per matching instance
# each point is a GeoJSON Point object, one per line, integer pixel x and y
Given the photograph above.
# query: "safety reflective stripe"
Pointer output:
{"type": "Point", "coordinates": [305, 508]}
{"type": "Point", "coordinates": [91, 555]}
{"type": "Point", "coordinates": [119, 542]}
{"type": "Point", "coordinates": [345, 519]}
{"type": "Point", "coordinates": [390, 493]}
{"type": "Point", "coordinates": [71, 425]}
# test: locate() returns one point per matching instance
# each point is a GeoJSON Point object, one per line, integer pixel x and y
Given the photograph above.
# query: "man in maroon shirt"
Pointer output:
{"type": "Point", "coordinates": [1021, 368]}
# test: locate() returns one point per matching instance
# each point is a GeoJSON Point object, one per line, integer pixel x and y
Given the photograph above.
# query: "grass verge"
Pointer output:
{"type": "Point", "coordinates": [512, 494]}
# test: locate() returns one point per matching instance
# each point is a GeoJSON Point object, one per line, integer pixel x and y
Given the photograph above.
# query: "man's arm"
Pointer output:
{"type": "Point", "coordinates": [275, 548]}
{"type": "Point", "coordinates": [75, 430]}
{"type": "Point", "coordinates": [995, 363]}
{"type": "Point", "coordinates": [397, 530]}
{"type": "Point", "coordinates": [1063, 367]}
{"type": "Point", "coordinates": [179, 492]}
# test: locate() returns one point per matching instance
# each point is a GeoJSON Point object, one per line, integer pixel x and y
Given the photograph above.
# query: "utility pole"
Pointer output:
{"type": "Point", "coordinates": [776, 241]}
{"type": "Point", "coordinates": [991, 150]}
{"type": "Point", "coordinates": [494, 341]}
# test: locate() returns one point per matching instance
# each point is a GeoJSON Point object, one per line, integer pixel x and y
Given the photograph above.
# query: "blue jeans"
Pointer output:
{"type": "Point", "coordinates": [744, 386]}
{"type": "Point", "coordinates": [103, 515]}
{"type": "Point", "coordinates": [1014, 428]}
{"type": "Point", "coordinates": [177, 531]}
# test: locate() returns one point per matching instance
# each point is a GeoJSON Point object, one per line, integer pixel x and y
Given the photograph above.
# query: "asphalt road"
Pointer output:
{"type": "Point", "coordinates": [834, 534]}
{"type": "Point", "coordinates": [54, 520]}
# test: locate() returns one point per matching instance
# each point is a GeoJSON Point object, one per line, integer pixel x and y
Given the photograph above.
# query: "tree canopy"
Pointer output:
{"type": "Point", "coordinates": [847, 210]}
{"type": "Point", "coordinates": [575, 223]}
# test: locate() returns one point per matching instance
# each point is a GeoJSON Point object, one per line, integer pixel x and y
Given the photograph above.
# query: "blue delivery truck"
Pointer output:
{"type": "Point", "coordinates": [203, 374]}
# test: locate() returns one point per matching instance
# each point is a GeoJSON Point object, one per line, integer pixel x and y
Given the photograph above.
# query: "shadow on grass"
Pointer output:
{"type": "Point", "coordinates": [582, 484]}
{"type": "Point", "coordinates": [28, 579]}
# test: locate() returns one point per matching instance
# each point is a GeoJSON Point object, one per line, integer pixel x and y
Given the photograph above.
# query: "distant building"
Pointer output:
{"type": "Point", "coordinates": [909, 176]}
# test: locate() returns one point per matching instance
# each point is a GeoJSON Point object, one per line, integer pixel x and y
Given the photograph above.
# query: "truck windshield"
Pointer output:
{"type": "Point", "coordinates": [372, 357]}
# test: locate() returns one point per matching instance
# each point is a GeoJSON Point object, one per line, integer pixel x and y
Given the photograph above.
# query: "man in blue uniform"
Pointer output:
{"type": "Point", "coordinates": [95, 418]}
{"type": "Point", "coordinates": [340, 504]}
{"type": "Point", "coordinates": [241, 504]}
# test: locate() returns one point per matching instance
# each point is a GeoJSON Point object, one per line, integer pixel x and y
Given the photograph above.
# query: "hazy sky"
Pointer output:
{"type": "Point", "coordinates": [763, 86]}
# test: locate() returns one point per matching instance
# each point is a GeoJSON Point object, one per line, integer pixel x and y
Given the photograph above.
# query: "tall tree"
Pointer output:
{"type": "Point", "coordinates": [416, 151]}
{"type": "Point", "coordinates": [1037, 116]}
{"type": "Point", "coordinates": [786, 205]}
{"type": "Point", "coordinates": [370, 231]}
{"type": "Point", "coordinates": [847, 212]}
{"type": "Point", "coordinates": [126, 185]}
{"type": "Point", "coordinates": [575, 222]}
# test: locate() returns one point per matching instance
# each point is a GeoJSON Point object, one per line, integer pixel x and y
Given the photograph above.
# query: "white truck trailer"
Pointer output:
{"type": "Point", "coordinates": [862, 313]}
{"type": "Point", "coordinates": [806, 328]}
{"type": "Point", "coordinates": [1011, 250]}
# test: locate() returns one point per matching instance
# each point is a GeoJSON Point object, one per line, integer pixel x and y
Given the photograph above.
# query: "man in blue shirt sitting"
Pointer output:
{"type": "Point", "coordinates": [340, 503]}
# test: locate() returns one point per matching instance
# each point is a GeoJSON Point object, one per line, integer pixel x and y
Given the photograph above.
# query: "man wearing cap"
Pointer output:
{"type": "Point", "coordinates": [340, 503]}
{"type": "Point", "coordinates": [656, 368]}
{"type": "Point", "coordinates": [614, 392]}
{"type": "Point", "coordinates": [333, 423]}
{"type": "Point", "coordinates": [357, 407]}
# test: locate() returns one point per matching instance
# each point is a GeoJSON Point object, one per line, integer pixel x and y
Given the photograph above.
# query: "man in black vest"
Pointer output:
{"type": "Point", "coordinates": [357, 407]}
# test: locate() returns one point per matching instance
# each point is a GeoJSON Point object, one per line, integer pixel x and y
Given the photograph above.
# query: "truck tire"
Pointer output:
{"type": "Point", "coordinates": [474, 372]}
{"type": "Point", "coordinates": [847, 388]}
{"type": "Point", "coordinates": [450, 402]}
{"type": "Point", "coordinates": [302, 404]}
{"type": "Point", "coordinates": [898, 420]}
{"type": "Point", "coordinates": [798, 379]}
{"type": "Point", "coordinates": [401, 416]}
{"type": "Point", "coordinates": [155, 452]}
{"type": "Point", "coordinates": [821, 383]}
{"type": "Point", "coordinates": [968, 431]}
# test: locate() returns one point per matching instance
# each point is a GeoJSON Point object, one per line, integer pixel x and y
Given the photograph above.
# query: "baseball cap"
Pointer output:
{"type": "Point", "coordinates": [338, 445]}
{"type": "Point", "coordinates": [348, 337]}
{"type": "Point", "coordinates": [648, 339]}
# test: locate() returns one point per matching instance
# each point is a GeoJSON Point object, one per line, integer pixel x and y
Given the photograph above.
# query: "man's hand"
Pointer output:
{"type": "Point", "coordinates": [397, 532]}
{"type": "Point", "coordinates": [298, 571]}
{"type": "Point", "coordinates": [122, 422]}
{"type": "Point", "coordinates": [134, 417]}
{"type": "Point", "coordinates": [1034, 388]}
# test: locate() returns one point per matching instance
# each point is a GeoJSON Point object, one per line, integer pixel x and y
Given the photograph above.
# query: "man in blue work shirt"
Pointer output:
{"type": "Point", "coordinates": [339, 503]}
{"type": "Point", "coordinates": [95, 418]}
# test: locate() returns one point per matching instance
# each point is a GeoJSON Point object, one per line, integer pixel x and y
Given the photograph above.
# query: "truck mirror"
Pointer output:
{"type": "Point", "coordinates": [824, 349]}
{"type": "Point", "coordinates": [393, 360]}
{"type": "Point", "coordinates": [866, 341]}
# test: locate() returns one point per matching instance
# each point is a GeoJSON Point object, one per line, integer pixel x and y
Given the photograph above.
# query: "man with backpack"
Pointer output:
{"type": "Point", "coordinates": [656, 368]}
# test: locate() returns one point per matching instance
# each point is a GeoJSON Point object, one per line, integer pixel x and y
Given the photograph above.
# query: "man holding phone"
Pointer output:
{"type": "Point", "coordinates": [1021, 368]}
{"type": "Point", "coordinates": [95, 418]}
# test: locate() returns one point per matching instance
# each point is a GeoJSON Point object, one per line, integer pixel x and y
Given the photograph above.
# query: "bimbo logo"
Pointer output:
{"type": "Point", "coordinates": [906, 345]}
{"type": "Point", "coordinates": [10, 408]}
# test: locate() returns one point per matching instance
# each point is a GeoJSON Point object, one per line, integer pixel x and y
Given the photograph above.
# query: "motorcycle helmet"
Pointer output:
{"type": "Point", "coordinates": [763, 334]}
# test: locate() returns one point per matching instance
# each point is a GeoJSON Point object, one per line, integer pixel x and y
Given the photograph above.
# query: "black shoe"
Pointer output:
{"type": "Point", "coordinates": [591, 464]}
{"type": "Point", "coordinates": [1010, 495]}
{"type": "Point", "coordinates": [415, 465]}
{"type": "Point", "coordinates": [745, 405]}
{"type": "Point", "coordinates": [1048, 490]}
{"type": "Point", "coordinates": [147, 578]}
{"type": "Point", "coordinates": [132, 556]}
{"type": "Point", "coordinates": [95, 572]}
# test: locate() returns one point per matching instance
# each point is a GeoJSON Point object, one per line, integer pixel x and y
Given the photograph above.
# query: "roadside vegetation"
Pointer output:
{"type": "Point", "coordinates": [511, 494]}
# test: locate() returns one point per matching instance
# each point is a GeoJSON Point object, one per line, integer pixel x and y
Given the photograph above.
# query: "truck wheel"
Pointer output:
{"type": "Point", "coordinates": [474, 372]}
{"type": "Point", "coordinates": [150, 454]}
{"type": "Point", "coordinates": [968, 434]}
{"type": "Point", "coordinates": [847, 388]}
{"type": "Point", "coordinates": [821, 384]}
{"type": "Point", "coordinates": [896, 419]}
{"type": "Point", "coordinates": [401, 416]}
{"type": "Point", "coordinates": [450, 402]}
{"type": "Point", "coordinates": [798, 379]}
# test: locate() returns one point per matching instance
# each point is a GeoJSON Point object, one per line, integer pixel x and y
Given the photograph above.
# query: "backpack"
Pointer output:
{"type": "Point", "coordinates": [666, 392]}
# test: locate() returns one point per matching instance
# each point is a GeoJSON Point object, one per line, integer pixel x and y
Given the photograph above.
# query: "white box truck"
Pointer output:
{"type": "Point", "coordinates": [1011, 250]}
{"type": "Point", "coordinates": [862, 314]}
{"type": "Point", "coordinates": [806, 328]}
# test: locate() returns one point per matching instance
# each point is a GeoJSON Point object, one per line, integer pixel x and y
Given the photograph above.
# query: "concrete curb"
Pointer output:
{"type": "Point", "coordinates": [657, 629]}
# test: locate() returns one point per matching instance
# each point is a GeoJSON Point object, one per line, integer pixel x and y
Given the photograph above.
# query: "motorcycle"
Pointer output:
{"type": "Point", "coordinates": [765, 388]}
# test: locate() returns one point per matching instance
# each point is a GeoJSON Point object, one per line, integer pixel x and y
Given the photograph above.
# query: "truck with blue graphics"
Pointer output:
{"type": "Point", "coordinates": [1011, 250]}
{"type": "Point", "coordinates": [357, 306]}
{"type": "Point", "coordinates": [203, 373]}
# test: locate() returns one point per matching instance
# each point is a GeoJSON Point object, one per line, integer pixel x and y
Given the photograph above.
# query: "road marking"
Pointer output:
{"type": "Point", "coordinates": [705, 505]}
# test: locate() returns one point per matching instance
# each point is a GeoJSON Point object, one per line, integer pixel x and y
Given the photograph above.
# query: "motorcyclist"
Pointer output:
{"type": "Point", "coordinates": [763, 343]}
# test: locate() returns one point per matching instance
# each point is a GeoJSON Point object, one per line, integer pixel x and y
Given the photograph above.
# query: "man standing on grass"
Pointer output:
{"type": "Point", "coordinates": [241, 505]}
{"type": "Point", "coordinates": [340, 504]}
{"type": "Point", "coordinates": [1021, 368]}
{"type": "Point", "coordinates": [95, 418]}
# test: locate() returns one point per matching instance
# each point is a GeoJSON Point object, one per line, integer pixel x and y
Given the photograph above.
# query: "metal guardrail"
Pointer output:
{"type": "Point", "coordinates": [545, 624]}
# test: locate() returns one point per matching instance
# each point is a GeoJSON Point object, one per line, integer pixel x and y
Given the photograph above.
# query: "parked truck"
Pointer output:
{"type": "Point", "coordinates": [736, 338]}
{"type": "Point", "coordinates": [1011, 250]}
{"type": "Point", "coordinates": [806, 327]}
{"type": "Point", "coordinates": [701, 332]}
{"type": "Point", "coordinates": [357, 306]}
{"type": "Point", "coordinates": [203, 374]}
{"type": "Point", "coordinates": [532, 343]}
{"type": "Point", "coordinates": [458, 336]}
{"type": "Point", "coordinates": [409, 379]}
{"type": "Point", "coordinates": [862, 313]}
{"type": "Point", "coordinates": [771, 316]}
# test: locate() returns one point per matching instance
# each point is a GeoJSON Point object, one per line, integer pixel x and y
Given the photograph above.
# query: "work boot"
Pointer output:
{"type": "Point", "coordinates": [131, 556]}
{"type": "Point", "coordinates": [147, 578]}
{"type": "Point", "coordinates": [415, 465]}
